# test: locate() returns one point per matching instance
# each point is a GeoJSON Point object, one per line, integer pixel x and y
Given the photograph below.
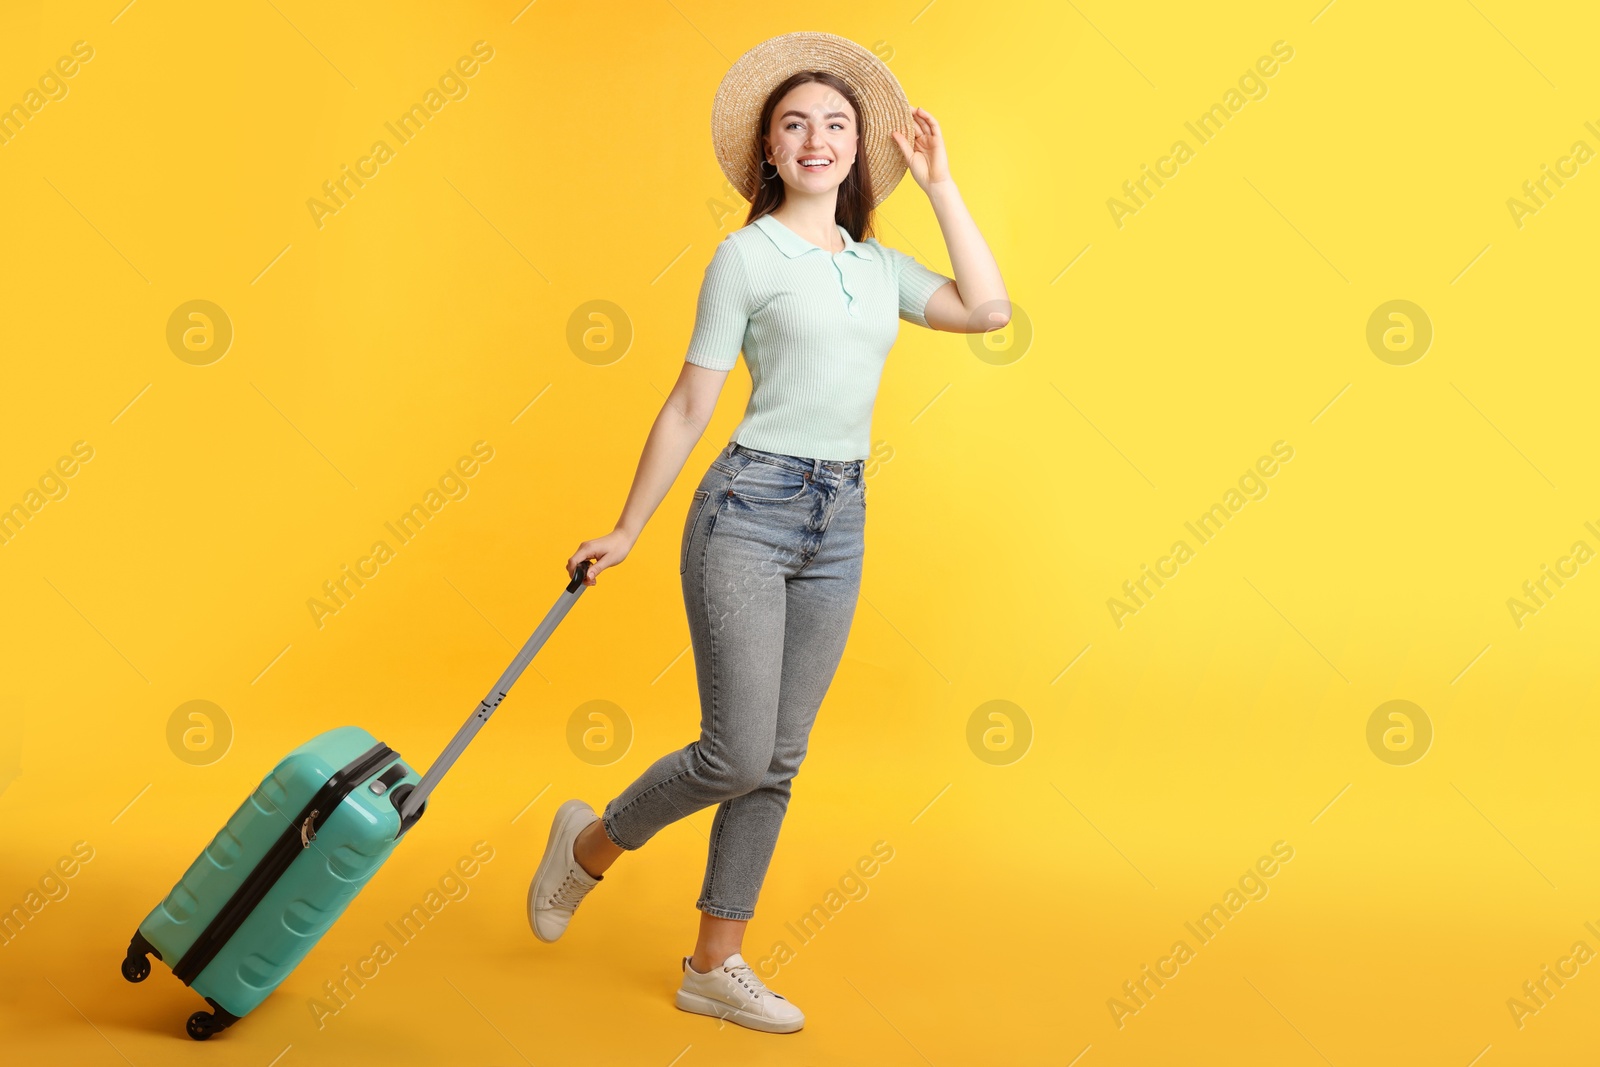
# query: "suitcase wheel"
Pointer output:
{"type": "Point", "coordinates": [136, 964]}
{"type": "Point", "coordinates": [202, 1024]}
{"type": "Point", "coordinates": [136, 968]}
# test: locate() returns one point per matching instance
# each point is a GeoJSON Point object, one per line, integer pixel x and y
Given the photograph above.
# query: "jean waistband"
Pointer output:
{"type": "Point", "coordinates": [806, 465]}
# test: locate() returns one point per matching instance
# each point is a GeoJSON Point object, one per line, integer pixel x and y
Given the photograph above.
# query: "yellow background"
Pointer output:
{"type": "Point", "coordinates": [1012, 498]}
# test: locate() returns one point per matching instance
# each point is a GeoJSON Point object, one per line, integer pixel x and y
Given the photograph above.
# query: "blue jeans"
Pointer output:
{"type": "Point", "coordinates": [771, 565]}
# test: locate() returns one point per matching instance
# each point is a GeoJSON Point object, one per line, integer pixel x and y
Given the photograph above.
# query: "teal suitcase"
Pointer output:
{"type": "Point", "coordinates": [294, 855]}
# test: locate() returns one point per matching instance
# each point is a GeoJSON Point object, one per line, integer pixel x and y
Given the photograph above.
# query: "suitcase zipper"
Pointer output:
{"type": "Point", "coordinates": [296, 837]}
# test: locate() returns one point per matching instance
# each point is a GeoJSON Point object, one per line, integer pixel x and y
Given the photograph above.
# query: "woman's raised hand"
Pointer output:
{"type": "Point", "coordinates": [925, 157]}
{"type": "Point", "coordinates": [606, 551]}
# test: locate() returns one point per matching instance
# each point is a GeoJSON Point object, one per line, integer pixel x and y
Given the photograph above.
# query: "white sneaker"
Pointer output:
{"type": "Point", "coordinates": [560, 883]}
{"type": "Point", "coordinates": [732, 991]}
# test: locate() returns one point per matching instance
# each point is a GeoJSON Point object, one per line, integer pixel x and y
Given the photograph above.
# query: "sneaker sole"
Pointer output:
{"type": "Point", "coordinates": [703, 1005]}
{"type": "Point", "coordinates": [551, 852]}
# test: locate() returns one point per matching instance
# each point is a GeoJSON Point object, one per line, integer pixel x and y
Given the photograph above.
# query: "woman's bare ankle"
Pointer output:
{"type": "Point", "coordinates": [719, 938]}
{"type": "Point", "coordinates": [594, 851]}
{"type": "Point", "coordinates": [708, 961]}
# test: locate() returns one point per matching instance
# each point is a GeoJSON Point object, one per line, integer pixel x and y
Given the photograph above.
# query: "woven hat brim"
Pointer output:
{"type": "Point", "coordinates": [736, 110]}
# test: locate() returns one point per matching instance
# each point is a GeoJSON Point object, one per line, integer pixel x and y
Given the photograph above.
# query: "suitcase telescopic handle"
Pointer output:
{"type": "Point", "coordinates": [480, 715]}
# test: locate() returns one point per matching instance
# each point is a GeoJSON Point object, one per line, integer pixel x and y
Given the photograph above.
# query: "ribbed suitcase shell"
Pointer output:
{"type": "Point", "coordinates": [307, 899]}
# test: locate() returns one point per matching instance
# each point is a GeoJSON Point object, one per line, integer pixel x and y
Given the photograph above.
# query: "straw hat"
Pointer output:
{"type": "Point", "coordinates": [737, 108]}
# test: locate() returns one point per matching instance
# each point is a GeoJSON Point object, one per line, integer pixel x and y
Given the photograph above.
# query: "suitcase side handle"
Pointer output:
{"type": "Point", "coordinates": [411, 808]}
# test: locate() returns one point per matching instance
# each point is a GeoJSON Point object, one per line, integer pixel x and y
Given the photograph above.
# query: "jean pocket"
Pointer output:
{"type": "Point", "coordinates": [768, 483]}
{"type": "Point", "coordinates": [696, 506]}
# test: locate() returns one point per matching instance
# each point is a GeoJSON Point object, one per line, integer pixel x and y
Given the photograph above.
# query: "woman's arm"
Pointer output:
{"type": "Point", "coordinates": [977, 301]}
{"type": "Point", "coordinates": [678, 428]}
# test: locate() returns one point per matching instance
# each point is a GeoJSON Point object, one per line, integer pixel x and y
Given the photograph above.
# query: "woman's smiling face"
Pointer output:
{"type": "Point", "coordinates": [813, 124]}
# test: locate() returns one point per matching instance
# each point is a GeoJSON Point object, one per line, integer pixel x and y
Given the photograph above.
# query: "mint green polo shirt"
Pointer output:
{"type": "Point", "coordinates": [815, 328]}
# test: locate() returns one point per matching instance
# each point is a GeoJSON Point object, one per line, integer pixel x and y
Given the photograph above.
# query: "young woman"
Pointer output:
{"type": "Point", "coordinates": [772, 547]}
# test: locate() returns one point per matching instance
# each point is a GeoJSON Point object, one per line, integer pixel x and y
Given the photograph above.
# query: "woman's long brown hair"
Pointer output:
{"type": "Point", "coordinates": [854, 208]}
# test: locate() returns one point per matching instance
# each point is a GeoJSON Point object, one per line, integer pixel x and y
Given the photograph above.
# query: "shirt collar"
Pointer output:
{"type": "Point", "coordinates": [792, 244]}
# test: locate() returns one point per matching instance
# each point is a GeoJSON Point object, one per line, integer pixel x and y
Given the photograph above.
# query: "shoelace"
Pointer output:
{"type": "Point", "coordinates": [746, 977]}
{"type": "Point", "coordinates": [570, 893]}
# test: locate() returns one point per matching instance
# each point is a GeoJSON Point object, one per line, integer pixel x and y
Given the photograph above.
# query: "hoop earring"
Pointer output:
{"type": "Point", "coordinates": [764, 175]}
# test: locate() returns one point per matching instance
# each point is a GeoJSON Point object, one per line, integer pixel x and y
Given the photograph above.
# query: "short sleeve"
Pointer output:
{"type": "Point", "coordinates": [916, 283]}
{"type": "Point", "coordinates": [722, 312]}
